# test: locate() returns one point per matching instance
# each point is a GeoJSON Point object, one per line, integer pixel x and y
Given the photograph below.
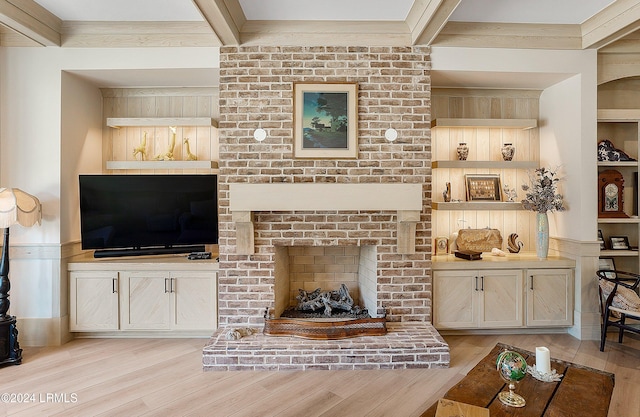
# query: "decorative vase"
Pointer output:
{"type": "Point", "coordinates": [463, 151]}
{"type": "Point", "coordinates": [508, 150]}
{"type": "Point", "coordinates": [542, 235]}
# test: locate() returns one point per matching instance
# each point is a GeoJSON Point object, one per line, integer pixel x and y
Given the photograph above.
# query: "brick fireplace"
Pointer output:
{"type": "Point", "coordinates": [393, 227]}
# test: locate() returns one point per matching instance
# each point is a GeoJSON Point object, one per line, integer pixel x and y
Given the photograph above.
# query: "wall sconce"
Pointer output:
{"type": "Point", "coordinates": [259, 134]}
{"type": "Point", "coordinates": [391, 134]}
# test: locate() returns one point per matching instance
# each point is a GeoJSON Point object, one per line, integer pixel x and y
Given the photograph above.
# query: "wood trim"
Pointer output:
{"type": "Point", "coordinates": [85, 34]}
{"type": "Point", "coordinates": [220, 20]}
{"type": "Point", "coordinates": [117, 122]}
{"type": "Point", "coordinates": [427, 18]}
{"type": "Point", "coordinates": [153, 92]}
{"type": "Point", "coordinates": [31, 20]}
{"type": "Point", "coordinates": [304, 32]}
{"type": "Point", "coordinates": [485, 92]}
{"type": "Point", "coordinates": [612, 23]}
{"type": "Point", "coordinates": [485, 123]}
{"type": "Point", "coordinates": [510, 35]}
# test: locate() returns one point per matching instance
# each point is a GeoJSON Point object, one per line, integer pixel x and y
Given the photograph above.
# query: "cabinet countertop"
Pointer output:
{"type": "Point", "coordinates": [86, 262]}
{"type": "Point", "coordinates": [527, 260]}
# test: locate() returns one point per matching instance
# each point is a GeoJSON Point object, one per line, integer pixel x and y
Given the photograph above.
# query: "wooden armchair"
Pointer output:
{"type": "Point", "coordinates": [618, 300]}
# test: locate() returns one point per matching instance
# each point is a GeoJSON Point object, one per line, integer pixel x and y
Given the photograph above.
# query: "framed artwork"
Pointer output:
{"type": "Point", "coordinates": [607, 264]}
{"type": "Point", "coordinates": [601, 240]}
{"type": "Point", "coordinates": [619, 243]}
{"type": "Point", "coordinates": [483, 187]}
{"type": "Point", "coordinates": [325, 120]}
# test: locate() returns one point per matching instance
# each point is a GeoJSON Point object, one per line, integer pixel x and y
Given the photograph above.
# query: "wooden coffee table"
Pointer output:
{"type": "Point", "coordinates": [582, 391]}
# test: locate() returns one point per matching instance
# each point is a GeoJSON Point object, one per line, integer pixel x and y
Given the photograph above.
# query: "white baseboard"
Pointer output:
{"type": "Point", "coordinates": [43, 331]}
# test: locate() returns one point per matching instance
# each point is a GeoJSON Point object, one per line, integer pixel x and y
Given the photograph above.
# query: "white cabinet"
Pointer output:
{"type": "Point", "coordinates": [120, 296]}
{"type": "Point", "coordinates": [502, 292]}
{"type": "Point", "coordinates": [94, 301]}
{"type": "Point", "coordinates": [154, 300]}
{"type": "Point", "coordinates": [549, 297]}
{"type": "Point", "coordinates": [478, 299]}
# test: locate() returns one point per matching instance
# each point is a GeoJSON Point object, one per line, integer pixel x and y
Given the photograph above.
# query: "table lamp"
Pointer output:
{"type": "Point", "coordinates": [16, 206]}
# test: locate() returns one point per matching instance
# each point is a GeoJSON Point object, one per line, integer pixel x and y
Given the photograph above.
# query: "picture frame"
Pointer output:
{"type": "Point", "coordinates": [619, 243]}
{"type": "Point", "coordinates": [441, 245]}
{"type": "Point", "coordinates": [325, 120]}
{"type": "Point", "coordinates": [483, 187]}
{"type": "Point", "coordinates": [603, 246]}
{"type": "Point", "coordinates": [607, 264]}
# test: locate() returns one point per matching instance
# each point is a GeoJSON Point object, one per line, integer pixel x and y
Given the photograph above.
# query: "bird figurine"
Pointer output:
{"type": "Point", "coordinates": [142, 148]}
{"type": "Point", "coordinates": [512, 245]}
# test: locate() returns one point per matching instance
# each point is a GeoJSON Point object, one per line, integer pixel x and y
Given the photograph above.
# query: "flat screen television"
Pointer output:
{"type": "Point", "coordinates": [124, 215]}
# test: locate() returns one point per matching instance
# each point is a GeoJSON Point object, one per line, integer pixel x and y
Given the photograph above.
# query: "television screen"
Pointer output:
{"type": "Point", "coordinates": [145, 211]}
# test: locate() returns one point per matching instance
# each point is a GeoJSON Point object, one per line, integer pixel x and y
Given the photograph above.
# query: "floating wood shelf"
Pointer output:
{"type": "Point", "coordinates": [118, 122]}
{"type": "Point", "coordinates": [487, 123]}
{"type": "Point", "coordinates": [162, 165]}
{"type": "Point", "coordinates": [485, 164]}
{"type": "Point", "coordinates": [611, 253]}
{"type": "Point", "coordinates": [618, 164]}
{"type": "Point", "coordinates": [618, 115]}
{"type": "Point", "coordinates": [613, 220]}
{"type": "Point", "coordinates": [477, 205]}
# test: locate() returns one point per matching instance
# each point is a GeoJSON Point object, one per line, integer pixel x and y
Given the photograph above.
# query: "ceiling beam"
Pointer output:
{"type": "Point", "coordinates": [220, 19]}
{"type": "Point", "coordinates": [29, 19]}
{"type": "Point", "coordinates": [427, 18]}
{"type": "Point", "coordinates": [612, 23]}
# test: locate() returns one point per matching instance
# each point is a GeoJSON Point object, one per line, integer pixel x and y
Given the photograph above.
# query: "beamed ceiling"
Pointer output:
{"type": "Point", "coordinates": [552, 24]}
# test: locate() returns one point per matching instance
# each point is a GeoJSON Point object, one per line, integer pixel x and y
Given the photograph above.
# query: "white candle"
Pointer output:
{"type": "Point", "coordinates": [543, 360]}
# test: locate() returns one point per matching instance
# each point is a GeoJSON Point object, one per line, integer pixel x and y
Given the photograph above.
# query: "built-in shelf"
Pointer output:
{"type": "Point", "coordinates": [612, 253]}
{"type": "Point", "coordinates": [118, 122]}
{"type": "Point", "coordinates": [162, 164]}
{"type": "Point", "coordinates": [490, 123]}
{"type": "Point", "coordinates": [479, 205]}
{"type": "Point", "coordinates": [485, 164]}
{"type": "Point", "coordinates": [628, 220]}
{"type": "Point", "coordinates": [618, 115]}
{"type": "Point", "coordinates": [618, 164]}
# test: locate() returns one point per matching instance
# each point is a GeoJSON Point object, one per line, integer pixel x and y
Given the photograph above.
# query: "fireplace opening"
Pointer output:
{"type": "Point", "coordinates": [336, 271]}
{"type": "Point", "coordinates": [338, 284]}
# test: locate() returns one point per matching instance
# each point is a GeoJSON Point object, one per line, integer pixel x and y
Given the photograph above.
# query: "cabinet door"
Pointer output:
{"type": "Point", "coordinates": [500, 299]}
{"type": "Point", "coordinates": [93, 301]}
{"type": "Point", "coordinates": [146, 300]}
{"type": "Point", "coordinates": [454, 299]}
{"type": "Point", "coordinates": [549, 297]}
{"type": "Point", "coordinates": [194, 300]}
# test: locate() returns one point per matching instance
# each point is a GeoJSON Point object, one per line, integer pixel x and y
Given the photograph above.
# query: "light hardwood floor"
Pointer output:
{"type": "Point", "coordinates": [164, 377]}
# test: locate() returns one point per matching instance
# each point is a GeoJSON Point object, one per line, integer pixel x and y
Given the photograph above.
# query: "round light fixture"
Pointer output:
{"type": "Point", "coordinates": [259, 134]}
{"type": "Point", "coordinates": [391, 134]}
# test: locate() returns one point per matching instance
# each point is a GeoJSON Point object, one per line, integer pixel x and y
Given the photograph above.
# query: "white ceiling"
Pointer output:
{"type": "Point", "coordinates": [502, 11]}
{"type": "Point", "coordinates": [514, 11]}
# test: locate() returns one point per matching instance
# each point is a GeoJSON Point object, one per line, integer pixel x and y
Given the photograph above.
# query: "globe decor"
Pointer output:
{"type": "Point", "coordinates": [512, 367]}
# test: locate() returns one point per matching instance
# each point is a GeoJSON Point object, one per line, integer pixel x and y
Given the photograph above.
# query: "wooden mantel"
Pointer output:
{"type": "Point", "coordinates": [405, 199]}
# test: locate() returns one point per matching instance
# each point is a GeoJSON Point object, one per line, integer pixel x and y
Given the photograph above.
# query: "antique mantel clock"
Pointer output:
{"type": "Point", "coordinates": [610, 189]}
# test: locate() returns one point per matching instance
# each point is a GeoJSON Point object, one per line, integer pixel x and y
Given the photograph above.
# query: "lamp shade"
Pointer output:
{"type": "Point", "coordinates": [16, 206]}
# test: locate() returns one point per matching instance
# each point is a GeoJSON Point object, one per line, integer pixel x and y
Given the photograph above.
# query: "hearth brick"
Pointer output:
{"type": "Point", "coordinates": [406, 345]}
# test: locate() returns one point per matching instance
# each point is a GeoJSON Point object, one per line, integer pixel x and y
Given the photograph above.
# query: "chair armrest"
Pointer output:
{"type": "Point", "coordinates": [626, 279]}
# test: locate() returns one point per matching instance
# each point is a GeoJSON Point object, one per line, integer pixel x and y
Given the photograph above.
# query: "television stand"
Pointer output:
{"type": "Point", "coordinates": [110, 253]}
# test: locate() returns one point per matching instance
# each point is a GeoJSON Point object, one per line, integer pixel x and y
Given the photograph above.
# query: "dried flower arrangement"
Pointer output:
{"type": "Point", "coordinates": [541, 194]}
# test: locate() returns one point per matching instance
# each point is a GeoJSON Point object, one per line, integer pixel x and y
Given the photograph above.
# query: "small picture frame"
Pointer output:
{"type": "Point", "coordinates": [603, 246]}
{"type": "Point", "coordinates": [441, 245]}
{"type": "Point", "coordinates": [484, 187]}
{"type": "Point", "coordinates": [607, 264]}
{"type": "Point", "coordinates": [619, 243]}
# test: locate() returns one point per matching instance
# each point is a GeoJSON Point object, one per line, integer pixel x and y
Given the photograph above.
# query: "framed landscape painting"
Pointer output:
{"type": "Point", "coordinates": [325, 120]}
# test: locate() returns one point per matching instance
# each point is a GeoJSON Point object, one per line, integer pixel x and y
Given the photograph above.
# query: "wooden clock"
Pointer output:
{"type": "Point", "coordinates": [610, 194]}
